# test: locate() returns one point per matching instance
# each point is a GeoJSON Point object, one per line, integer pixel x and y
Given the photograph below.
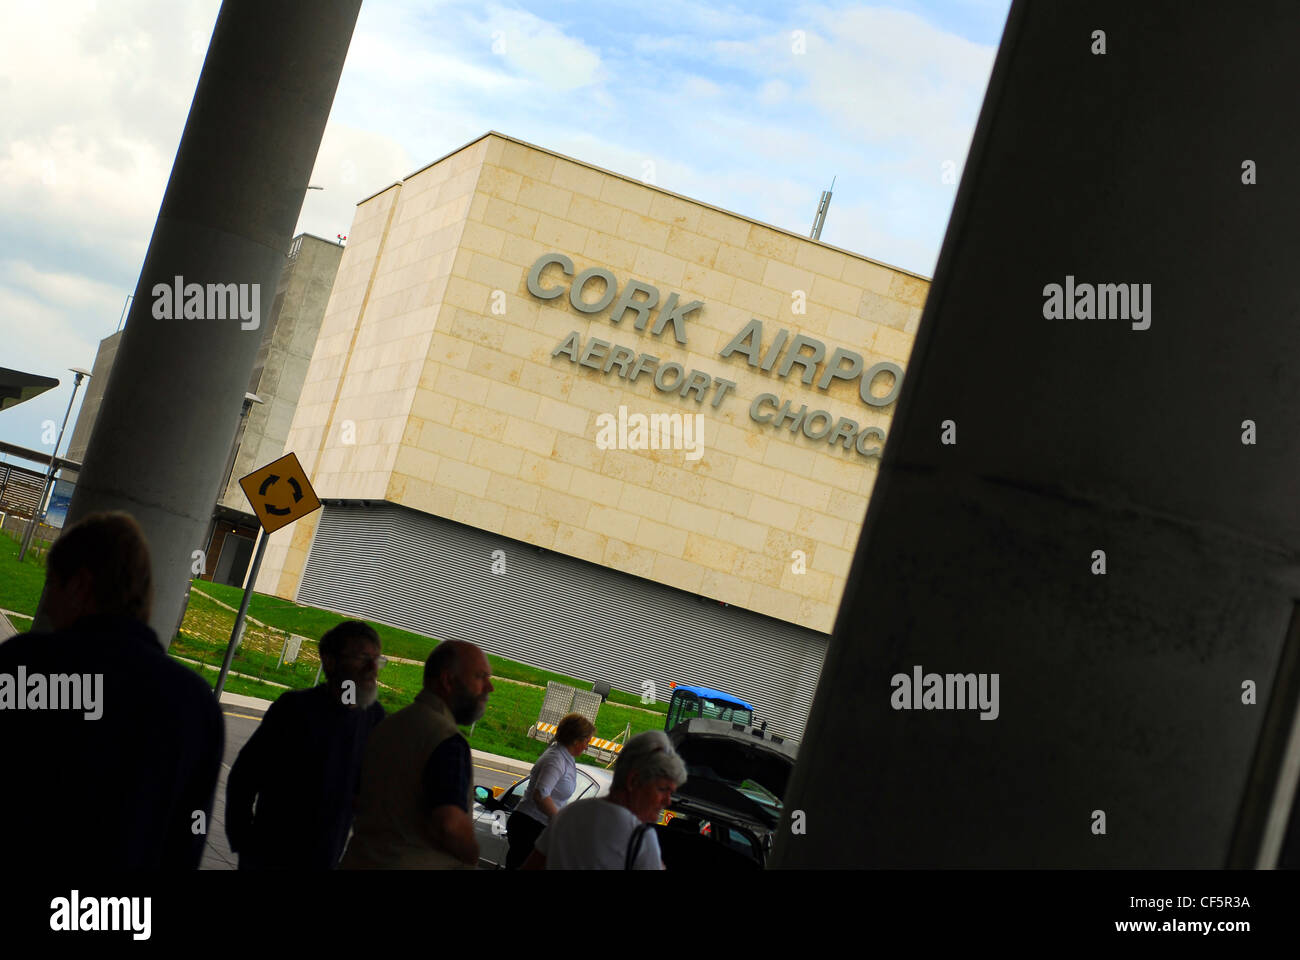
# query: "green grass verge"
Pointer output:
{"type": "Point", "coordinates": [20, 583]}
{"type": "Point", "coordinates": [312, 622]}
{"type": "Point", "coordinates": [239, 685]}
{"type": "Point", "coordinates": [503, 730]}
{"type": "Point", "coordinates": [513, 707]}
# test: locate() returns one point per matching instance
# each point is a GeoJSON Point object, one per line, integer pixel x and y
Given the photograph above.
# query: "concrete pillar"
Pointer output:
{"type": "Point", "coordinates": [170, 412]}
{"type": "Point", "coordinates": [1123, 693]}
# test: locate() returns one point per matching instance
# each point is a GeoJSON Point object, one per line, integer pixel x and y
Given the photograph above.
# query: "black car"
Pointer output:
{"type": "Point", "coordinates": [727, 812]}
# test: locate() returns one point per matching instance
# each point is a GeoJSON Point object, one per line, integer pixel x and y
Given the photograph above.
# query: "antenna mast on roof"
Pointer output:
{"type": "Point", "coordinates": [822, 206]}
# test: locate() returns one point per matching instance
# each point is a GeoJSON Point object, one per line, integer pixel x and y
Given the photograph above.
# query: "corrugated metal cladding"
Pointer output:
{"type": "Point", "coordinates": [434, 577]}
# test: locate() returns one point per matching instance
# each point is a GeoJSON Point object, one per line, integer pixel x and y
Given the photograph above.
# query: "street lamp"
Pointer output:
{"type": "Point", "coordinates": [31, 524]}
{"type": "Point", "coordinates": [249, 400]}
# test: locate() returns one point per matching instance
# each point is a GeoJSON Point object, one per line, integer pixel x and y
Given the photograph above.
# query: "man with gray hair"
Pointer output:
{"type": "Point", "coordinates": [616, 832]}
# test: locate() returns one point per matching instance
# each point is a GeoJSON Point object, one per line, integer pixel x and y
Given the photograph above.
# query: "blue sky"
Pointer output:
{"type": "Point", "coordinates": [752, 107]}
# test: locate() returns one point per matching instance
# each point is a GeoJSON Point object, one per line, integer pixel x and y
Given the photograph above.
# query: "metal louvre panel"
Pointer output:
{"type": "Point", "coordinates": [434, 577]}
{"type": "Point", "coordinates": [20, 489]}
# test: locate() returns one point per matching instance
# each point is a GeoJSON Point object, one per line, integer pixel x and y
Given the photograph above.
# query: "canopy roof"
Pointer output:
{"type": "Point", "coordinates": [16, 386]}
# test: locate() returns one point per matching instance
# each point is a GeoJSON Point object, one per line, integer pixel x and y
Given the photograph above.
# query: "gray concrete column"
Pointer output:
{"type": "Point", "coordinates": [173, 402]}
{"type": "Point", "coordinates": [1124, 690]}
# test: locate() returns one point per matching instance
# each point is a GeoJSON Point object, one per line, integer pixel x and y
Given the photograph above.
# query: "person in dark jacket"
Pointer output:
{"type": "Point", "coordinates": [303, 763]}
{"type": "Point", "coordinates": [110, 748]}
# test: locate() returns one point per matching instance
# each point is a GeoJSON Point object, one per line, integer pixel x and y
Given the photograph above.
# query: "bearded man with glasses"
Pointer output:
{"type": "Point", "coordinates": [302, 765]}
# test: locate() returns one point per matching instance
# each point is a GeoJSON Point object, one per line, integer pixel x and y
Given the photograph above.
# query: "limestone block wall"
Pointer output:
{"type": "Point", "coordinates": [464, 409]}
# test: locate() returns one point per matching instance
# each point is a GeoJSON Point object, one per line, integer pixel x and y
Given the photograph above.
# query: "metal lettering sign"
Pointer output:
{"type": "Point", "coordinates": [791, 349]}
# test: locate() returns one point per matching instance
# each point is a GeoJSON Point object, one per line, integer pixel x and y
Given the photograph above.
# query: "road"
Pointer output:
{"type": "Point", "coordinates": [240, 724]}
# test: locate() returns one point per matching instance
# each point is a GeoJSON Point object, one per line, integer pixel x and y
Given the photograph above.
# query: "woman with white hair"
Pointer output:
{"type": "Point", "coordinates": [616, 832]}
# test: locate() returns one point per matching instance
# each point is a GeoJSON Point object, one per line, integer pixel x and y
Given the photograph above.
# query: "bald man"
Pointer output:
{"type": "Point", "coordinates": [417, 788]}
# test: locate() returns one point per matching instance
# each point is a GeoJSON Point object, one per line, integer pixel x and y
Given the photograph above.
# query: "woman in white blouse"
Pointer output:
{"type": "Point", "coordinates": [616, 832]}
{"type": "Point", "coordinates": [551, 782]}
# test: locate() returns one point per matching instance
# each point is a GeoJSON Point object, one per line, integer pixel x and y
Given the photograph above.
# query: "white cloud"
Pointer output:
{"type": "Point", "coordinates": [75, 189]}
{"type": "Point", "coordinates": [740, 52]}
{"type": "Point", "coordinates": [699, 88]}
{"type": "Point", "coordinates": [96, 97]}
{"type": "Point", "coordinates": [660, 43]}
{"type": "Point", "coordinates": [68, 291]}
{"type": "Point", "coordinates": [402, 60]}
{"type": "Point", "coordinates": [45, 339]}
{"type": "Point", "coordinates": [774, 92]}
{"type": "Point", "coordinates": [352, 164]}
{"type": "Point", "coordinates": [889, 75]}
{"type": "Point", "coordinates": [692, 17]}
{"type": "Point", "coordinates": [541, 51]}
{"type": "Point", "coordinates": [95, 101]}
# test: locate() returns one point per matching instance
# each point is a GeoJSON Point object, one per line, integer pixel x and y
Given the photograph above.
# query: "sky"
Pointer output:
{"type": "Point", "coordinates": [752, 107]}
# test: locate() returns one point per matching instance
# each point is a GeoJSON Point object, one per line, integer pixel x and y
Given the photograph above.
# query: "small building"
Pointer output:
{"type": "Point", "coordinates": [289, 336]}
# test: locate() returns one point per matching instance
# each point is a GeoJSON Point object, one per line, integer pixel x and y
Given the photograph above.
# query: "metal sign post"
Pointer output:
{"type": "Point", "coordinates": [239, 617]}
{"type": "Point", "coordinates": [280, 493]}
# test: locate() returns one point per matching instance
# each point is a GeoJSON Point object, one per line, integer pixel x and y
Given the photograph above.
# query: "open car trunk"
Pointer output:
{"type": "Point", "coordinates": [731, 768]}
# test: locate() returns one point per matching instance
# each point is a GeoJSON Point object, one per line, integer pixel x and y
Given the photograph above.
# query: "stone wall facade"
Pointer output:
{"type": "Point", "coordinates": [440, 381]}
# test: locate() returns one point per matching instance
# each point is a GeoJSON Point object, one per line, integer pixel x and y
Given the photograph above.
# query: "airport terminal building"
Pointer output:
{"type": "Point", "coordinates": [595, 426]}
